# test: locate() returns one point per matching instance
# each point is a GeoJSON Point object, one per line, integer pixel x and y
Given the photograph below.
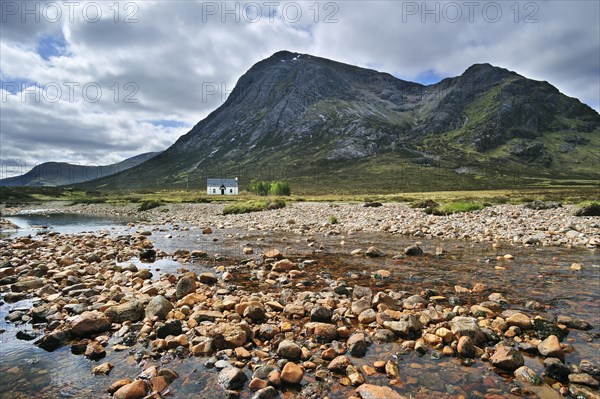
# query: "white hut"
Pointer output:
{"type": "Point", "coordinates": [222, 186]}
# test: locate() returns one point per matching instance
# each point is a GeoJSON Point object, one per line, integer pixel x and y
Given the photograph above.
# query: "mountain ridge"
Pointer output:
{"type": "Point", "coordinates": [64, 173]}
{"type": "Point", "coordinates": [295, 110]}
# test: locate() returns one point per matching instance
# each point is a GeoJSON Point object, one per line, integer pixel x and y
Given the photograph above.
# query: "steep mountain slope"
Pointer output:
{"type": "Point", "coordinates": [62, 173]}
{"type": "Point", "coordinates": [330, 126]}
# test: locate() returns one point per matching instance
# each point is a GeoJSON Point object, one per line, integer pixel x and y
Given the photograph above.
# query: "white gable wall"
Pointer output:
{"type": "Point", "coordinates": [216, 190]}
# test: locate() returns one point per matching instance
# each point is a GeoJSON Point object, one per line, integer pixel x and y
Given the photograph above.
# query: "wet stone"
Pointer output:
{"type": "Point", "coordinates": [526, 374]}
{"type": "Point", "coordinates": [26, 335]}
{"type": "Point", "coordinates": [232, 378]}
{"type": "Point", "coordinates": [358, 345]}
{"type": "Point", "coordinates": [507, 358]}
{"type": "Point", "coordinates": [266, 393]}
{"type": "Point", "coordinates": [545, 328]}
{"type": "Point", "coordinates": [583, 379]}
{"type": "Point", "coordinates": [134, 390]}
{"type": "Point", "coordinates": [574, 323]}
{"type": "Point", "coordinates": [170, 327]}
{"type": "Point", "coordinates": [368, 391]}
{"type": "Point", "coordinates": [292, 373]}
{"type": "Point", "coordinates": [289, 350]}
{"type": "Point", "coordinates": [550, 347]}
{"type": "Point", "coordinates": [556, 369]}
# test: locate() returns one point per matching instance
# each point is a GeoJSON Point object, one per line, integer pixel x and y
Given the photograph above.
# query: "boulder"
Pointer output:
{"type": "Point", "coordinates": [89, 323]}
{"type": "Point", "coordinates": [507, 358]}
{"type": "Point", "coordinates": [550, 347]}
{"type": "Point", "coordinates": [358, 344]}
{"type": "Point", "coordinates": [159, 306]}
{"type": "Point", "coordinates": [467, 326]}
{"type": "Point", "coordinates": [289, 350]}
{"type": "Point", "coordinates": [134, 390]}
{"type": "Point", "coordinates": [292, 373]}
{"type": "Point", "coordinates": [229, 335]}
{"type": "Point", "coordinates": [368, 391]}
{"type": "Point", "coordinates": [129, 311]}
{"type": "Point", "coordinates": [413, 250]}
{"type": "Point", "coordinates": [232, 378]}
{"type": "Point", "coordinates": [186, 285]}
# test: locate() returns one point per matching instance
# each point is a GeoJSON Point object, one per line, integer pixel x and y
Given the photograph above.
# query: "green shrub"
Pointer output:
{"type": "Point", "coordinates": [147, 205]}
{"type": "Point", "coordinates": [455, 207]}
{"type": "Point", "coordinates": [333, 220]}
{"type": "Point", "coordinates": [252, 206]}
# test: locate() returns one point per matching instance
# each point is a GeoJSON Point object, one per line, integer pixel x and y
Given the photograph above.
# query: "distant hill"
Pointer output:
{"type": "Point", "coordinates": [62, 173]}
{"type": "Point", "coordinates": [332, 127]}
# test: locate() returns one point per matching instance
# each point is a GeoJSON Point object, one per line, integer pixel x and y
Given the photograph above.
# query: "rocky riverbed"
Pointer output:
{"type": "Point", "coordinates": [306, 309]}
{"type": "Point", "coordinates": [511, 223]}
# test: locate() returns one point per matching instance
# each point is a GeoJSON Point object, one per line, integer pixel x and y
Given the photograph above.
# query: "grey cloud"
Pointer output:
{"type": "Point", "coordinates": [174, 56]}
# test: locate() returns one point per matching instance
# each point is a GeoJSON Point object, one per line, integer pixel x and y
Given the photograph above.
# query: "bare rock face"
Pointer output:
{"type": "Point", "coordinates": [89, 323]}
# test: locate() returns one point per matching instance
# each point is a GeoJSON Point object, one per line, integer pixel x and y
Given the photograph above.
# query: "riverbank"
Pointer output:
{"type": "Point", "coordinates": [507, 223]}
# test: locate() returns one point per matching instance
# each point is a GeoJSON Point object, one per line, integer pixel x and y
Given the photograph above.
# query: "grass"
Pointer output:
{"type": "Point", "coordinates": [568, 194]}
{"type": "Point", "coordinates": [253, 206]}
{"type": "Point", "coordinates": [456, 207]}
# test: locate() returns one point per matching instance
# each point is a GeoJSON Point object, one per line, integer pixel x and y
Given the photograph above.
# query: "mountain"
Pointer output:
{"type": "Point", "coordinates": [62, 173]}
{"type": "Point", "coordinates": [331, 127]}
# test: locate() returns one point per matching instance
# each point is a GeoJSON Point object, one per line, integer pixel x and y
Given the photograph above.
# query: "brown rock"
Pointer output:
{"type": "Point", "coordinates": [354, 376]}
{"type": "Point", "coordinates": [134, 390]}
{"type": "Point", "coordinates": [283, 265]}
{"type": "Point", "coordinates": [292, 373]}
{"type": "Point", "coordinates": [94, 351]}
{"type": "Point", "coordinates": [507, 358]}
{"type": "Point", "coordinates": [159, 383]}
{"type": "Point", "coordinates": [273, 253]}
{"type": "Point", "coordinates": [550, 347]}
{"type": "Point", "coordinates": [104, 368]}
{"type": "Point", "coordinates": [340, 363]}
{"type": "Point", "coordinates": [368, 391]}
{"type": "Point", "coordinates": [89, 323]}
{"type": "Point", "coordinates": [466, 347]}
{"type": "Point", "coordinates": [242, 353]}
{"type": "Point", "coordinates": [520, 320]}
{"type": "Point", "coordinates": [114, 387]}
{"type": "Point", "coordinates": [256, 384]}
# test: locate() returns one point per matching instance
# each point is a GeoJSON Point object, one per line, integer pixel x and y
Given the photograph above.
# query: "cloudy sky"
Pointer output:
{"type": "Point", "coordinates": [97, 82]}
